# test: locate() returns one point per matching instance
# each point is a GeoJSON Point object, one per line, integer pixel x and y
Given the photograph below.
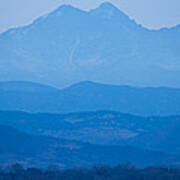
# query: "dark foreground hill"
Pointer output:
{"type": "Point", "coordinates": [102, 127]}
{"type": "Point", "coordinates": [89, 96]}
{"type": "Point", "coordinates": [43, 151]}
{"type": "Point", "coordinates": [121, 172]}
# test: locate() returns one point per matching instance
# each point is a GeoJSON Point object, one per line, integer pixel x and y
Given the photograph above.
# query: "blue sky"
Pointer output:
{"type": "Point", "coordinates": [153, 14]}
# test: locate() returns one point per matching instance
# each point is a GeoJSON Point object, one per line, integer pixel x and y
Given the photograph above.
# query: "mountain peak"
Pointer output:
{"type": "Point", "coordinates": [108, 5]}
{"type": "Point", "coordinates": [65, 7]}
{"type": "Point", "coordinates": [108, 11]}
{"type": "Point", "coordinates": [82, 85]}
{"type": "Point", "coordinates": [67, 10]}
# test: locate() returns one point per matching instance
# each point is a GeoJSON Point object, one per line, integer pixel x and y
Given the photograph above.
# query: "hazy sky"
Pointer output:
{"type": "Point", "coordinates": [149, 13]}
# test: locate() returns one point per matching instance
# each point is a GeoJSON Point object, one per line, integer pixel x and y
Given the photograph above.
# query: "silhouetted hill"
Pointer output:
{"type": "Point", "coordinates": [89, 96]}
{"type": "Point", "coordinates": [101, 172]}
{"type": "Point", "coordinates": [104, 45]}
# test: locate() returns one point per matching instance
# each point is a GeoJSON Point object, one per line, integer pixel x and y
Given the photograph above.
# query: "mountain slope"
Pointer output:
{"type": "Point", "coordinates": [25, 86]}
{"type": "Point", "coordinates": [104, 45]}
{"type": "Point", "coordinates": [44, 151]}
{"type": "Point", "coordinates": [89, 96]}
{"type": "Point", "coordinates": [102, 127]}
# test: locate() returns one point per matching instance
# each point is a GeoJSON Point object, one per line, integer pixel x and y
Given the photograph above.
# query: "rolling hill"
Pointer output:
{"type": "Point", "coordinates": [89, 96]}
{"type": "Point", "coordinates": [101, 127]}
{"type": "Point", "coordinates": [39, 151]}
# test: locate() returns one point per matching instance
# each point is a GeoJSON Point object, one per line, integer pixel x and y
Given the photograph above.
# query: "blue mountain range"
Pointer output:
{"type": "Point", "coordinates": [103, 45]}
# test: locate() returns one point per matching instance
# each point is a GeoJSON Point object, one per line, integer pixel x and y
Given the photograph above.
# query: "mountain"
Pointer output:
{"type": "Point", "coordinates": [103, 45]}
{"type": "Point", "coordinates": [89, 96]}
{"type": "Point", "coordinates": [25, 86]}
{"type": "Point", "coordinates": [42, 151]}
{"type": "Point", "coordinates": [102, 127]}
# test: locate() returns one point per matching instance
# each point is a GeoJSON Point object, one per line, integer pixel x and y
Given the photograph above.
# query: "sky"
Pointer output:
{"type": "Point", "coordinates": [153, 14]}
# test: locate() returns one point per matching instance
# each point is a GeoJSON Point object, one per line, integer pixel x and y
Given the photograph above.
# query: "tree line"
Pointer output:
{"type": "Point", "coordinates": [120, 172]}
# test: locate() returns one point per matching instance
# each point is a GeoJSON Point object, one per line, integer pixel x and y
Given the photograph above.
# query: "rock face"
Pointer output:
{"type": "Point", "coordinates": [103, 45]}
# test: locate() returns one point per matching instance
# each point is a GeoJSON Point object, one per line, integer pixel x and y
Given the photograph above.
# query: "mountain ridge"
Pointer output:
{"type": "Point", "coordinates": [70, 47]}
{"type": "Point", "coordinates": [25, 86]}
{"type": "Point", "coordinates": [104, 4]}
{"type": "Point", "coordinates": [90, 96]}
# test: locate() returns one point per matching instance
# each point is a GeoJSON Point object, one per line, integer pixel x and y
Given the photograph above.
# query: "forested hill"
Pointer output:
{"type": "Point", "coordinates": [43, 151]}
{"type": "Point", "coordinates": [101, 127]}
